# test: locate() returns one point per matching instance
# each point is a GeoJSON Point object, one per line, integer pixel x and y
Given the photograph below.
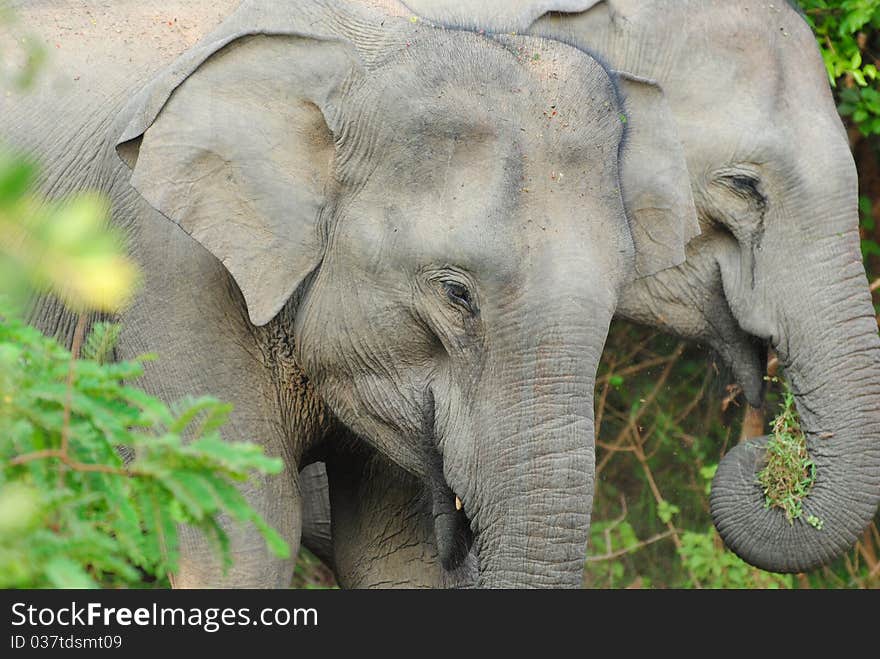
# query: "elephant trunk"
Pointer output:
{"type": "Point", "coordinates": [829, 349]}
{"type": "Point", "coordinates": [540, 539]}
{"type": "Point", "coordinates": [536, 471]}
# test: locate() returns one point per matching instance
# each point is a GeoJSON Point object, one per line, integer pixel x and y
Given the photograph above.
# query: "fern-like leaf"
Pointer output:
{"type": "Point", "coordinates": [99, 345]}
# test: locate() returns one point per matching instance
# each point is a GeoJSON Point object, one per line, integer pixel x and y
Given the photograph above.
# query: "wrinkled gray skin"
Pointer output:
{"type": "Point", "coordinates": [367, 232]}
{"type": "Point", "coordinates": [777, 264]}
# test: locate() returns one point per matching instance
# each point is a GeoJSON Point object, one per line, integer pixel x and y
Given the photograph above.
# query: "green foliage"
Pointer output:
{"type": "Point", "coordinates": [789, 473]}
{"type": "Point", "coordinates": [611, 541]}
{"type": "Point", "coordinates": [843, 30]}
{"type": "Point", "coordinates": [666, 510]}
{"type": "Point", "coordinates": [869, 245]}
{"type": "Point", "coordinates": [72, 513]}
{"type": "Point", "coordinates": [715, 567]}
{"type": "Point", "coordinates": [100, 342]}
{"type": "Point", "coordinates": [660, 439]}
{"type": "Point", "coordinates": [62, 247]}
{"type": "Point", "coordinates": [311, 574]}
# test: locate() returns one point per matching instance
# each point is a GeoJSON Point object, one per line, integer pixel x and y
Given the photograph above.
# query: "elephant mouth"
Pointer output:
{"type": "Point", "coordinates": [746, 357]}
{"type": "Point", "coordinates": [452, 529]}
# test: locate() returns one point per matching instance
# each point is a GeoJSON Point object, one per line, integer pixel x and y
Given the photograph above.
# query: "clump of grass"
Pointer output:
{"type": "Point", "coordinates": [789, 472]}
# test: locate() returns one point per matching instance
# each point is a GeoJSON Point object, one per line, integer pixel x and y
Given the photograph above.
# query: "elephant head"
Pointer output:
{"type": "Point", "coordinates": [778, 261]}
{"type": "Point", "coordinates": [439, 214]}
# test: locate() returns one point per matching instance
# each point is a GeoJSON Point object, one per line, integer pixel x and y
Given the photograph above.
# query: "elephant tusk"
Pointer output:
{"type": "Point", "coordinates": [458, 504]}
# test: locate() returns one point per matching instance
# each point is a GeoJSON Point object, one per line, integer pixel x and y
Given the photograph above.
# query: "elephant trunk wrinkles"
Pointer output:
{"type": "Point", "coordinates": [533, 531]}
{"type": "Point", "coordinates": [831, 357]}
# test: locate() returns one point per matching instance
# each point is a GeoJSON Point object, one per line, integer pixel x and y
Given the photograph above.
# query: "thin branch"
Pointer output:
{"type": "Point", "coordinates": [614, 448]}
{"type": "Point", "coordinates": [99, 468]}
{"type": "Point", "coordinates": [71, 463]}
{"type": "Point", "coordinates": [600, 408]}
{"type": "Point", "coordinates": [850, 568]}
{"type": "Point", "coordinates": [686, 412]}
{"type": "Point", "coordinates": [628, 550]}
{"type": "Point", "coordinates": [71, 373]}
{"type": "Point", "coordinates": [646, 402]}
{"type": "Point", "coordinates": [658, 497]}
{"type": "Point", "coordinates": [36, 455]}
{"type": "Point", "coordinates": [615, 523]}
{"type": "Point", "coordinates": [637, 368]}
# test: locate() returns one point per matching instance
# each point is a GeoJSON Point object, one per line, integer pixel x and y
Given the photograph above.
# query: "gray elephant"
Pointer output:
{"type": "Point", "coordinates": [777, 264]}
{"type": "Point", "coordinates": [365, 230]}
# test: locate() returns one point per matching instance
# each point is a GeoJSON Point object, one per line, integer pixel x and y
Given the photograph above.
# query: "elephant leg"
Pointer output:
{"type": "Point", "coordinates": [317, 534]}
{"type": "Point", "coordinates": [381, 524]}
{"type": "Point", "coordinates": [254, 566]}
{"type": "Point", "coordinates": [191, 314]}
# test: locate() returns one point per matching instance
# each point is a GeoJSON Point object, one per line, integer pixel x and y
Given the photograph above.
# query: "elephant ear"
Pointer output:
{"type": "Point", "coordinates": [234, 144]}
{"type": "Point", "coordinates": [655, 179]}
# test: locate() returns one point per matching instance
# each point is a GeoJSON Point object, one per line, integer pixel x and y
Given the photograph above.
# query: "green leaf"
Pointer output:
{"type": "Point", "coordinates": [62, 572]}
{"type": "Point", "coordinates": [277, 545]}
{"type": "Point", "coordinates": [101, 341]}
{"type": "Point", "coordinates": [235, 456]}
{"type": "Point", "coordinates": [189, 409]}
{"type": "Point", "coordinates": [16, 176]}
{"type": "Point", "coordinates": [231, 499]}
{"type": "Point", "coordinates": [866, 212]}
{"type": "Point", "coordinates": [67, 526]}
{"type": "Point", "coordinates": [666, 510]}
{"type": "Point", "coordinates": [192, 505]}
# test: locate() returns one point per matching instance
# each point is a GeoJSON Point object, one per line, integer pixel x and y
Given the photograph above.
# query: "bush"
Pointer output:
{"type": "Point", "coordinates": [72, 513]}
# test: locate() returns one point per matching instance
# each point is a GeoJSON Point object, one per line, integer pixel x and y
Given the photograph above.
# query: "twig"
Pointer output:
{"type": "Point", "coordinates": [638, 348]}
{"type": "Point", "coordinates": [649, 433]}
{"type": "Point", "coordinates": [658, 497]}
{"type": "Point", "coordinates": [866, 548]}
{"type": "Point", "coordinates": [615, 523]}
{"type": "Point", "coordinates": [70, 462]}
{"type": "Point", "coordinates": [163, 547]}
{"type": "Point", "coordinates": [686, 412]}
{"type": "Point", "coordinates": [631, 370]}
{"type": "Point", "coordinates": [613, 448]}
{"type": "Point", "coordinates": [646, 402]}
{"type": "Point", "coordinates": [628, 550]}
{"type": "Point", "coordinates": [600, 408]}
{"type": "Point", "coordinates": [68, 403]}
{"type": "Point", "coordinates": [624, 511]}
{"type": "Point", "coordinates": [850, 568]}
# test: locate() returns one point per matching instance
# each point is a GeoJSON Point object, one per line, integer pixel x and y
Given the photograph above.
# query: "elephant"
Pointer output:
{"type": "Point", "coordinates": [777, 264]}
{"type": "Point", "coordinates": [372, 232]}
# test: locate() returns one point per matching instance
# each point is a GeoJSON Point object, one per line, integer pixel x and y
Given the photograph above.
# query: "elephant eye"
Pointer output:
{"type": "Point", "coordinates": [744, 185]}
{"type": "Point", "coordinates": [459, 295]}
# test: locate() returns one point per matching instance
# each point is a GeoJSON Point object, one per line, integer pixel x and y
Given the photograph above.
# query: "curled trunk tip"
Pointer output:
{"type": "Point", "coordinates": [834, 513]}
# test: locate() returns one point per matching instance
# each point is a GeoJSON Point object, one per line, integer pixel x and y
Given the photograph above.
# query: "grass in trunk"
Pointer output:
{"type": "Point", "coordinates": [789, 472]}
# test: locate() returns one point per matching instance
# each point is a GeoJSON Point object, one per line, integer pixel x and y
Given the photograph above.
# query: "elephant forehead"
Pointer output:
{"type": "Point", "coordinates": [454, 84]}
{"type": "Point", "coordinates": [490, 117]}
{"type": "Point", "coordinates": [487, 216]}
{"type": "Point", "coordinates": [480, 151]}
{"type": "Point", "coordinates": [763, 64]}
